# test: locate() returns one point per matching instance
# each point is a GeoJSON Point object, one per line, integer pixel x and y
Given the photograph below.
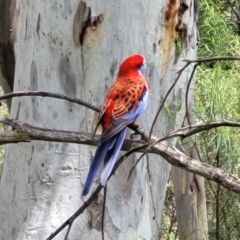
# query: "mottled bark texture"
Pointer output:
{"type": "Point", "coordinates": [9, 14]}
{"type": "Point", "coordinates": [41, 181]}
{"type": "Point", "coordinates": [189, 192]}
{"type": "Point", "coordinates": [189, 188]}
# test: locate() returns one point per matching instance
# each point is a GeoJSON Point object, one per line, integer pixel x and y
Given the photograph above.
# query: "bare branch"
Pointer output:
{"type": "Point", "coordinates": [93, 196]}
{"type": "Point", "coordinates": [179, 159]}
{"type": "Point", "coordinates": [134, 127]}
{"type": "Point", "coordinates": [77, 213]}
{"type": "Point", "coordinates": [212, 59]}
{"type": "Point", "coordinates": [187, 132]}
{"type": "Point", "coordinates": [187, 91]}
{"type": "Point", "coordinates": [174, 157]}
{"type": "Point", "coordinates": [193, 129]}
{"type": "Point", "coordinates": [25, 132]}
{"type": "Point", "coordinates": [51, 95]}
{"type": "Point", "coordinates": [179, 73]}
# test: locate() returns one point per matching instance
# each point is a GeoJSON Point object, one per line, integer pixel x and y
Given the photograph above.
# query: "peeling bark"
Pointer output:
{"type": "Point", "coordinates": [9, 15]}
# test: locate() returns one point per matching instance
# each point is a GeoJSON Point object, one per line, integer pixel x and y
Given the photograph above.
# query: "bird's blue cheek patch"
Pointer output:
{"type": "Point", "coordinates": [141, 71]}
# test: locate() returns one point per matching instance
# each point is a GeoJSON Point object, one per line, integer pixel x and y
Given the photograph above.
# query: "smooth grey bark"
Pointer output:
{"type": "Point", "coordinates": [41, 182]}
{"type": "Point", "coordinates": [189, 190]}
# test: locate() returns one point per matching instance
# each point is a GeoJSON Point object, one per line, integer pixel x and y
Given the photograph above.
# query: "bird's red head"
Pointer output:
{"type": "Point", "coordinates": [131, 65]}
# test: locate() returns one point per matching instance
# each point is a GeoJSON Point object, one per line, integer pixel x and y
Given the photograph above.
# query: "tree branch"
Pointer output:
{"type": "Point", "coordinates": [179, 73]}
{"type": "Point", "coordinates": [174, 157]}
{"type": "Point", "coordinates": [92, 197]}
{"type": "Point", "coordinates": [51, 95]}
{"type": "Point", "coordinates": [134, 127]}
{"type": "Point", "coordinates": [24, 132]}
{"type": "Point", "coordinates": [212, 59]}
{"type": "Point", "coordinates": [193, 129]}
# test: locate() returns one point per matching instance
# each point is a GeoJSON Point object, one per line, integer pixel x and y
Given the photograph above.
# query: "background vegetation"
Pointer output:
{"type": "Point", "coordinates": [217, 97]}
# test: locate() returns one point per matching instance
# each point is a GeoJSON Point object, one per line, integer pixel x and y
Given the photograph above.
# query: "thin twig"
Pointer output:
{"type": "Point", "coordinates": [179, 73]}
{"type": "Point", "coordinates": [235, 12]}
{"type": "Point", "coordinates": [51, 95]}
{"type": "Point", "coordinates": [77, 213]}
{"type": "Point", "coordinates": [136, 163]}
{"type": "Point", "coordinates": [212, 59]}
{"type": "Point", "coordinates": [171, 154]}
{"type": "Point", "coordinates": [63, 97]}
{"type": "Point", "coordinates": [166, 96]}
{"type": "Point", "coordinates": [68, 231]}
{"type": "Point", "coordinates": [92, 197]}
{"type": "Point", "coordinates": [187, 91]}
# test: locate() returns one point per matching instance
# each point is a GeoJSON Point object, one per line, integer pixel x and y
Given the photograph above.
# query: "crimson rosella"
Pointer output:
{"type": "Point", "coordinates": [124, 102]}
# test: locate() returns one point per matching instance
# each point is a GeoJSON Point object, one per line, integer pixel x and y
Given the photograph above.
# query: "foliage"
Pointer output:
{"type": "Point", "coordinates": [217, 97]}
{"type": "Point", "coordinates": [169, 219]}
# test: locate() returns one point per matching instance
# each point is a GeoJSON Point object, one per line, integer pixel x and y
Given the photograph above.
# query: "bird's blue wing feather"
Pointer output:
{"type": "Point", "coordinates": [110, 145]}
{"type": "Point", "coordinates": [106, 152]}
{"type": "Point", "coordinates": [111, 156]}
{"type": "Point", "coordinates": [121, 123]}
{"type": "Point", "coordinates": [96, 162]}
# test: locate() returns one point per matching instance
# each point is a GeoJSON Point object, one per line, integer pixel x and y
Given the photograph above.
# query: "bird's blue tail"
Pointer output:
{"type": "Point", "coordinates": [111, 156]}
{"type": "Point", "coordinates": [106, 152]}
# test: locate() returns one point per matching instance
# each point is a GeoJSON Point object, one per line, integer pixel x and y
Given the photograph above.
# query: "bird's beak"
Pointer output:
{"type": "Point", "coordinates": [144, 62]}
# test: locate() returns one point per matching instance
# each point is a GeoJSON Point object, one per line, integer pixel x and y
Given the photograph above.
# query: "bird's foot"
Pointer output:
{"type": "Point", "coordinates": [138, 132]}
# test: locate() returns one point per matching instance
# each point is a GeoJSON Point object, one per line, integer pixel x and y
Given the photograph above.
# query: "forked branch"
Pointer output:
{"type": "Point", "coordinates": [25, 132]}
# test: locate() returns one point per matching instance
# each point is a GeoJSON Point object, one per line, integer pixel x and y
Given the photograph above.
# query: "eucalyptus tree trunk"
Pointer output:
{"type": "Point", "coordinates": [75, 49]}
{"type": "Point", "coordinates": [189, 190]}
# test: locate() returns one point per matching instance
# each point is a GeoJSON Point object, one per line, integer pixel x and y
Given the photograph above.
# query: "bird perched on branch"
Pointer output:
{"type": "Point", "coordinates": [125, 100]}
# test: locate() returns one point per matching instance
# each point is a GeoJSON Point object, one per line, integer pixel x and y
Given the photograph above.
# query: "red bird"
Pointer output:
{"type": "Point", "coordinates": [125, 100]}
